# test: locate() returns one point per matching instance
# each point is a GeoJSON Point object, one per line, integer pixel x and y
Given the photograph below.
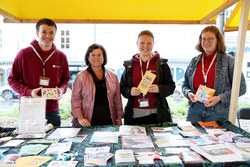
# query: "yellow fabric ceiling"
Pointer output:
{"type": "Point", "coordinates": [114, 11]}
{"type": "Point", "coordinates": [233, 21]}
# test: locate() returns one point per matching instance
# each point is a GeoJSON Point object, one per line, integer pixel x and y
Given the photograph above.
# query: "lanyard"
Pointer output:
{"type": "Point", "coordinates": [203, 71]}
{"type": "Point", "coordinates": [146, 67]}
{"type": "Point", "coordinates": [42, 59]}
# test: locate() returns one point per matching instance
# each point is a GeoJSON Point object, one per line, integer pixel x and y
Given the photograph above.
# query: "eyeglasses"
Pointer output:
{"type": "Point", "coordinates": [209, 39]}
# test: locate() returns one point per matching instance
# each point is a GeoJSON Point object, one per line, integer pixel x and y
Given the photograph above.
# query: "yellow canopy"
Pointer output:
{"type": "Point", "coordinates": [233, 21]}
{"type": "Point", "coordinates": [115, 11]}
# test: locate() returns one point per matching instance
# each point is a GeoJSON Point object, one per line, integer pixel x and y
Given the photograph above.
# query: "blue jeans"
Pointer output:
{"type": "Point", "coordinates": [199, 112]}
{"type": "Point", "coordinates": [54, 118]}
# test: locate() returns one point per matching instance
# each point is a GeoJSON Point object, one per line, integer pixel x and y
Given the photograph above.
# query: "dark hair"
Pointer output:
{"type": "Point", "coordinates": [91, 48]}
{"type": "Point", "coordinates": [45, 21]}
{"type": "Point", "coordinates": [145, 32]}
{"type": "Point", "coordinates": [221, 47]}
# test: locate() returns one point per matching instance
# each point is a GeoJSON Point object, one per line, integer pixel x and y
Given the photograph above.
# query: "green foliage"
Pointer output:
{"type": "Point", "coordinates": [243, 104]}
{"type": "Point", "coordinates": [65, 105]}
{"type": "Point", "coordinates": [178, 107]}
{"type": "Point", "coordinates": [11, 114]}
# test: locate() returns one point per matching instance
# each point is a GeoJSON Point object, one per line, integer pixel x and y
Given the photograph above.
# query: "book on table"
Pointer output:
{"type": "Point", "coordinates": [191, 157]}
{"type": "Point", "coordinates": [218, 153]}
{"type": "Point", "coordinates": [104, 137]}
{"type": "Point", "coordinates": [138, 143]}
{"type": "Point", "coordinates": [124, 157]}
{"type": "Point", "coordinates": [132, 130]}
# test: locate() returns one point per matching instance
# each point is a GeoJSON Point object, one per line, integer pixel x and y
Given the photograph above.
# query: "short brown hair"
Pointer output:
{"type": "Point", "coordinates": [46, 21]}
{"type": "Point", "coordinates": [91, 48]}
{"type": "Point", "coordinates": [221, 47]}
{"type": "Point", "coordinates": [145, 32]}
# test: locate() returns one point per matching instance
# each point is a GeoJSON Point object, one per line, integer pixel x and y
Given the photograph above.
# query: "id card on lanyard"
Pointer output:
{"type": "Point", "coordinates": [43, 81]}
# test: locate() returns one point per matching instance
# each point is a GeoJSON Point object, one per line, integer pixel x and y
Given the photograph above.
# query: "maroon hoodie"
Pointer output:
{"type": "Point", "coordinates": [27, 68]}
{"type": "Point", "coordinates": [136, 77]}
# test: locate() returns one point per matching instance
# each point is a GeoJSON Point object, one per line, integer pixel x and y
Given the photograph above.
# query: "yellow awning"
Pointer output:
{"type": "Point", "coordinates": [115, 11]}
{"type": "Point", "coordinates": [233, 21]}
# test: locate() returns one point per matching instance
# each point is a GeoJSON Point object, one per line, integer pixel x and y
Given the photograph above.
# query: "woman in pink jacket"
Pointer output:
{"type": "Point", "coordinates": [96, 98]}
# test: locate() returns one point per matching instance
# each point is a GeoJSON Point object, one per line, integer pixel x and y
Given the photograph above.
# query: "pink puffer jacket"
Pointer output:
{"type": "Point", "coordinates": [83, 97]}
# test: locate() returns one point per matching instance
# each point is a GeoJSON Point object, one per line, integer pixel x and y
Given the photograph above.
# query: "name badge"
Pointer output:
{"type": "Point", "coordinates": [143, 102]}
{"type": "Point", "coordinates": [44, 81]}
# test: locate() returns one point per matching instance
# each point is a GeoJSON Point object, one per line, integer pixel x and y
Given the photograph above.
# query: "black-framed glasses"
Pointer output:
{"type": "Point", "coordinates": [209, 39]}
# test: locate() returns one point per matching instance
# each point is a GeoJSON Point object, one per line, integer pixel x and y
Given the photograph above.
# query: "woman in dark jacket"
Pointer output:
{"type": "Point", "coordinates": [150, 108]}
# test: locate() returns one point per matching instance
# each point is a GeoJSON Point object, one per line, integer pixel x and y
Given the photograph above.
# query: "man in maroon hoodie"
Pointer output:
{"type": "Point", "coordinates": [39, 66]}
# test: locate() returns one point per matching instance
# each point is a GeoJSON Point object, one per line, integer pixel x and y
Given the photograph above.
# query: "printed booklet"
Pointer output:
{"type": "Point", "coordinates": [204, 93]}
{"type": "Point", "coordinates": [218, 153]}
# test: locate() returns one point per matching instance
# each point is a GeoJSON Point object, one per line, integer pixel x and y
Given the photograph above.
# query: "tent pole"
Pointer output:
{"type": "Point", "coordinates": [238, 60]}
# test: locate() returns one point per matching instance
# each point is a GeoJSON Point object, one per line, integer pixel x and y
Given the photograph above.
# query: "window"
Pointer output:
{"type": "Point", "coordinates": [248, 74]}
{"type": "Point", "coordinates": [248, 64]}
{"type": "Point", "coordinates": [65, 39]}
{"type": "Point", "coordinates": [1, 45]}
{"type": "Point", "coordinates": [227, 14]}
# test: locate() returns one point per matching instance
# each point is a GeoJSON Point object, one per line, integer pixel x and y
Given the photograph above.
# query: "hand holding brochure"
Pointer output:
{"type": "Point", "coordinates": [50, 93]}
{"type": "Point", "coordinates": [204, 93]}
{"type": "Point", "coordinates": [146, 81]}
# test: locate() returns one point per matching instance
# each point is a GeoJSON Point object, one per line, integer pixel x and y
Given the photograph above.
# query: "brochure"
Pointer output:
{"type": "Point", "coordinates": [197, 141]}
{"type": "Point", "coordinates": [162, 129]}
{"type": "Point", "coordinates": [218, 153]}
{"type": "Point", "coordinates": [147, 157]}
{"type": "Point", "coordinates": [138, 143]}
{"type": "Point", "coordinates": [168, 135]}
{"type": "Point", "coordinates": [57, 148]}
{"type": "Point", "coordinates": [62, 163]}
{"type": "Point", "coordinates": [228, 136]}
{"type": "Point", "coordinates": [190, 133]}
{"type": "Point", "coordinates": [186, 126]}
{"type": "Point", "coordinates": [13, 143]}
{"type": "Point", "coordinates": [241, 139]}
{"type": "Point", "coordinates": [77, 139]}
{"type": "Point", "coordinates": [42, 141]}
{"type": "Point", "coordinates": [61, 133]}
{"type": "Point", "coordinates": [171, 142]}
{"type": "Point", "coordinates": [32, 161]}
{"type": "Point", "coordinates": [124, 157]}
{"type": "Point", "coordinates": [93, 150]}
{"type": "Point", "coordinates": [204, 93]}
{"type": "Point", "coordinates": [215, 131]}
{"type": "Point", "coordinates": [242, 148]}
{"type": "Point", "coordinates": [146, 81]}
{"type": "Point", "coordinates": [132, 130]}
{"type": "Point", "coordinates": [50, 93]}
{"type": "Point", "coordinates": [104, 137]}
{"type": "Point", "coordinates": [190, 157]}
{"type": "Point", "coordinates": [210, 139]}
{"type": "Point", "coordinates": [32, 149]}
{"type": "Point", "coordinates": [99, 159]}
{"type": "Point", "coordinates": [209, 125]}
{"type": "Point", "coordinates": [174, 159]}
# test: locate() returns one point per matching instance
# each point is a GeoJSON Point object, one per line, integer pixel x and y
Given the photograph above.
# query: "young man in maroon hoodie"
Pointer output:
{"type": "Point", "coordinates": [39, 66]}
